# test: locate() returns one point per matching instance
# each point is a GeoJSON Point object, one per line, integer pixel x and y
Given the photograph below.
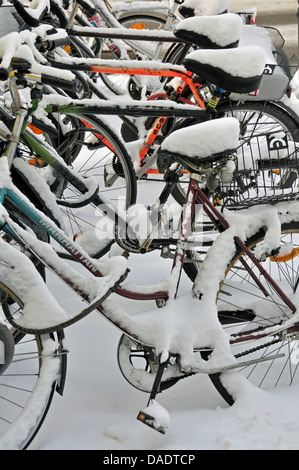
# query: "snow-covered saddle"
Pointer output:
{"type": "Point", "coordinates": [204, 142]}
{"type": "Point", "coordinates": [202, 7]}
{"type": "Point", "coordinates": [211, 32]}
{"type": "Point", "coordinates": [237, 70]}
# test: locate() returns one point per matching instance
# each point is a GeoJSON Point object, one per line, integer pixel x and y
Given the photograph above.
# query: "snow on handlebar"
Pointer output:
{"type": "Point", "coordinates": [8, 47]}
{"type": "Point", "coordinates": [34, 14]}
{"type": "Point", "coordinates": [18, 46]}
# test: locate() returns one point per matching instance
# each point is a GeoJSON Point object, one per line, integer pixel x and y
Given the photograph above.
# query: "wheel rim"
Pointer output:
{"type": "Point", "coordinates": [27, 385]}
{"type": "Point", "coordinates": [118, 83]}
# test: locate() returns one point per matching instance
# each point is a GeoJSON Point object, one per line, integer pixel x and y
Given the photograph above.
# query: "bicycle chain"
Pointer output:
{"type": "Point", "coordinates": [257, 348]}
{"type": "Point", "coordinates": [244, 353]}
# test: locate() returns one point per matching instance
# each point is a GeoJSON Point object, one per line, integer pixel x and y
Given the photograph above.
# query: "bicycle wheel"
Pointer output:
{"type": "Point", "coordinates": [264, 127]}
{"type": "Point", "coordinates": [28, 378]}
{"type": "Point", "coordinates": [245, 311]}
{"type": "Point", "coordinates": [95, 151]}
{"type": "Point", "coordinates": [118, 83]}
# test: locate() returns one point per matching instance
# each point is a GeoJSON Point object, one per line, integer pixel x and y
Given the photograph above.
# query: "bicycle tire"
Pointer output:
{"type": "Point", "coordinates": [28, 383]}
{"type": "Point", "coordinates": [239, 309]}
{"type": "Point", "coordinates": [110, 164]}
{"type": "Point", "coordinates": [261, 117]}
{"type": "Point", "coordinates": [118, 83]}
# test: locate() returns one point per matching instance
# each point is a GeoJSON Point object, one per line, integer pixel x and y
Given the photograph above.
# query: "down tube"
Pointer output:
{"type": "Point", "coordinates": [74, 250]}
{"type": "Point", "coordinates": [53, 231]}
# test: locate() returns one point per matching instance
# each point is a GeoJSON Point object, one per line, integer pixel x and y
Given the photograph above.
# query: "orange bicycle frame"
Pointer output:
{"type": "Point", "coordinates": [186, 80]}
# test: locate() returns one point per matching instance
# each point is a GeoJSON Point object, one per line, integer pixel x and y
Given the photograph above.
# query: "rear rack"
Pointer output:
{"type": "Point", "coordinates": [266, 171]}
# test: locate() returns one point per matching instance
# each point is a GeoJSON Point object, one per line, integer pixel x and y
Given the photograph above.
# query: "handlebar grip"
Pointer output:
{"type": "Point", "coordinates": [87, 6]}
{"type": "Point", "coordinates": [68, 85]}
{"type": "Point", "coordinates": [3, 74]}
{"type": "Point", "coordinates": [20, 64]}
{"type": "Point", "coordinates": [60, 14]}
{"type": "Point", "coordinates": [25, 15]}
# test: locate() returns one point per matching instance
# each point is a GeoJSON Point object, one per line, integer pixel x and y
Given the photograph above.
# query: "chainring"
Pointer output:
{"type": "Point", "coordinates": [138, 364]}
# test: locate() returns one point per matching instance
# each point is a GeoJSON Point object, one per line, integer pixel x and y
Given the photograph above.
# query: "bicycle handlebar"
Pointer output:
{"type": "Point", "coordinates": [60, 13]}
{"type": "Point", "coordinates": [28, 14]}
{"type": "Point", "coordinates": [57, 82]}
{"type": "Point", "coordinates": [14, 47]}
{"type": "Point", "coordinates": [86, 5]}
{"type": "Point", "coordinates": [51, 44]}
{"type": "Point", "coordinates": [23, 65]}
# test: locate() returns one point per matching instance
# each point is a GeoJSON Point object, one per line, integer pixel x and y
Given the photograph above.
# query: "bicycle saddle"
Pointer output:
{"type": "Point", "coordinates": [211, 32]}
{"type": "Point", "coordinates": [237, 70]}
{"type": "Point", "coordinates": [201, 7]}
{"type": "Point", "coordinates": [205, 142]}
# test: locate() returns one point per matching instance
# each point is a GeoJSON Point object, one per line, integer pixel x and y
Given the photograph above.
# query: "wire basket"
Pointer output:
{"type": "Point", "coordinates": [265, 169]}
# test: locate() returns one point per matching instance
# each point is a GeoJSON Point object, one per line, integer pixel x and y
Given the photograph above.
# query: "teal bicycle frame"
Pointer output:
{"type": "Point", "coordinates": [29, 212]}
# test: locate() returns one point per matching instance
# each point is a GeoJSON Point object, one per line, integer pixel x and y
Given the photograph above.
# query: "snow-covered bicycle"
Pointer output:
{"type": "Point", "coordinates": [187, 334]}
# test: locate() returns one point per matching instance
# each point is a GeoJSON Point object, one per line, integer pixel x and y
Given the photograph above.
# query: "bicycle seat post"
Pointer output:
{"type": "Point", "coordinates": [170, 17]}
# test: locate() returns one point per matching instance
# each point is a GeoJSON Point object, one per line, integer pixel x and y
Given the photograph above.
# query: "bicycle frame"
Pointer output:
{"type": "Point", "coordinates": [104, 17]}
{"type": "Point", "coordinates": [76, 252]}
{"type": "Point", "coordinates": [52, 230]}
{"type": "Point", "coordinates": [186, 79]}
{"type": "Point", "coordinates": [195, 195]}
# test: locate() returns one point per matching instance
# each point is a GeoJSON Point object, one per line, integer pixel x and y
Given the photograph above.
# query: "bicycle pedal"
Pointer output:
{"type": "Point", "coordinates": [151, 422]}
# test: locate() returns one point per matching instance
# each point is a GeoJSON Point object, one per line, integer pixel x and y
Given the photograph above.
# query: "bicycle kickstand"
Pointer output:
{"type": "Point", "coordinates": [148, 418]}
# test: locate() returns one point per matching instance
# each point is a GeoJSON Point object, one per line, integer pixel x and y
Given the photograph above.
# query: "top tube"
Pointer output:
{"type": "Point", "coordinates": [112, 22]}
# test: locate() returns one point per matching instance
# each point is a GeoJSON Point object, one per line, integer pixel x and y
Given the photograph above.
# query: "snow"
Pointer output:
{"type": "Point", "coordinates": [121, 7]}
{"type": "Point", "coordinates": [99, 408]}
{"type": "Point", "coordinates": [8, 45]}
{"type": "Point", "coordinates": [221, 29]}
{"type": "Point", "coordinates": [227, 130]}
{"type": "Point", "coordinates": [243, 62]}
